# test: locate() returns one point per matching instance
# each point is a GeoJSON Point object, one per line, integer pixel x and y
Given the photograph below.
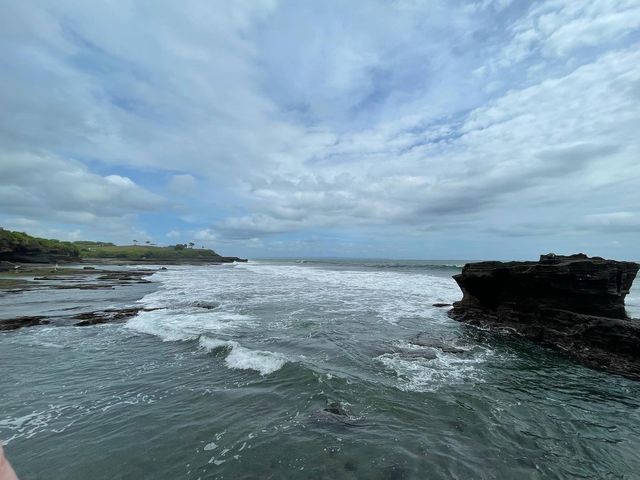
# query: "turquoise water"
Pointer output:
{"type": "Point", "coordinates": [229, 377]}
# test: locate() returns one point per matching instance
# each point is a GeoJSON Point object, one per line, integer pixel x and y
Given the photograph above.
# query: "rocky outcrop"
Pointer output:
{"type": "Point", "coordinates": [575, 303]}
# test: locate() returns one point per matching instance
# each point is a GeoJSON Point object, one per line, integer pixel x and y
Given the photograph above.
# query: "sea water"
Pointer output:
{"type": "Point", "coordinates": [228, 372]}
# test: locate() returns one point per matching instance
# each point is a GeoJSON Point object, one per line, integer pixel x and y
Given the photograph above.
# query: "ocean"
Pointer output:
{"type": "Point", "coordinates": [231, 374]}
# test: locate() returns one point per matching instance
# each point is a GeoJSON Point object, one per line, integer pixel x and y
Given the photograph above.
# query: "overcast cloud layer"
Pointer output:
{"type": "Point", "coordinates": [406, 129]}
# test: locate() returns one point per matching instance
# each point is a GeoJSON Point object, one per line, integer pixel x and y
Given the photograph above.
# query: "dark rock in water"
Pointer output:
{"type": "Point", "coordinates": [108, 316]}
{"type": "Point", "coordinates": [88, 268]}
{"type": "Point", "coordinates": [15, 323]}
{"type": "Point", "coordinates": [422, 354]}
{"type": "Point", "coordinates": [350, 466]}
{"type": "Point", "coordinates": [205, 305]}
{"type": "Point", "coordinates": [575, 303]}
{"type": "Point", "coordinates": [336, 409]}
{"type": "Point", "coordinates": [163, 268]}
{"type": "Point", "coordinates": [440, 305]}
{"type": "Point", "coordinates": [422, 339]}
{"type": "Point", "coordinates": [232, 259]}
{"type": "Point", "coordinates": [333, 414]}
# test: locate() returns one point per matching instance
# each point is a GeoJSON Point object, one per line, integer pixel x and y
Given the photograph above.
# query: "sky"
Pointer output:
{"type": "Point", "coordinates": [435, 129]}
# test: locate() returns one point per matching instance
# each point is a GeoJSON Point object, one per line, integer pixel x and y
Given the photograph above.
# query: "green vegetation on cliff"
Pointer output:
{"type": "Point", "coordinates": [140, 252]}
{"type": "Point", "coordinates": [20, 247]}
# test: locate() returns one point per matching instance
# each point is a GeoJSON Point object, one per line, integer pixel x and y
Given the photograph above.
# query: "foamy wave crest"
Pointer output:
{"type": "Point", "coordinates": [173, 326]}
{"type": "Point", "coordinates": [422, 374]}
{"type": "Point", "coordinates": [242, 358]}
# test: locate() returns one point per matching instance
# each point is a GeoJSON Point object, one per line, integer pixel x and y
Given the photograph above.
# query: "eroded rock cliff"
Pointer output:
{"type": "Point", "coordinates": [575, 303]}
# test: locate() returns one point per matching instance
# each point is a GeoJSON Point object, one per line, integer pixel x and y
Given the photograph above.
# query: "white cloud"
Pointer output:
{"type": "Point", "coordinates": [557, 28]}
{"type": "Point", "coordinates": [430, 116]}
{"type": "Point", "coordinates": [47, 187]}
{"type": "Point", "coordinates": [182, 184]}
{"type": "Point", "coordinates": [545, 143]}
{"type": "Point", "coordinates": [613, 221]}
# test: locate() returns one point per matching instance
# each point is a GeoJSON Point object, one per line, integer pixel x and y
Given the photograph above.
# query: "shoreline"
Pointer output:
{"type": "Point", "coordinates": [73, 295]}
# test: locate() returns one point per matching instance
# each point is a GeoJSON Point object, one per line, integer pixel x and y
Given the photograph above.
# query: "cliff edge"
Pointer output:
{"type": "Point", "coordinates": [574, 303]}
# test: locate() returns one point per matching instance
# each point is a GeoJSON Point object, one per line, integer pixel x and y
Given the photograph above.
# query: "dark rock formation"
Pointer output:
{"type": "Point", "coordinates": [575, 303]}
{"type": "Point", "coordinates": [232, 259]}
{"type": "Point", "coordinates": [15, 323]}
{"type": "Point", "coordinates": [112, 315]}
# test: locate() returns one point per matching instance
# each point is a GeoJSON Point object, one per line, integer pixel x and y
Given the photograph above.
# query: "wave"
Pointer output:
{"type": "Point", "coordinates": [391, 265]}
{"type": "Point", "coordinates": [172, 327]}
{"type": "Point", "coordinates": [422, 374]}
{"type": "Point", "coordinates": [242, 358]}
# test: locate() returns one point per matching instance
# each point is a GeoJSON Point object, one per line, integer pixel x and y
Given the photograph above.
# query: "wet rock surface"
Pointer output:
{"type": "Point", "coordinates": [29, 321]}
{"type": "Point", "coordinates": [574, 303]}
{"type": "Point", "coordinates": [40, 279]}
{"type": "Point", "coordinates": [112, 315]}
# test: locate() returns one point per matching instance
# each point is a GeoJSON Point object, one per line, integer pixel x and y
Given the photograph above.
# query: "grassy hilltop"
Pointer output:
{"type": "Point", "coordinates": [145, 252]}
{"type": "Point", "coordinates": [19, 247]}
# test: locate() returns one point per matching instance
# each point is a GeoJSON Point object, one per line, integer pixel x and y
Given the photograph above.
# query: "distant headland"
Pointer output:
{"type": "Point", "coordinates": [19, 247]}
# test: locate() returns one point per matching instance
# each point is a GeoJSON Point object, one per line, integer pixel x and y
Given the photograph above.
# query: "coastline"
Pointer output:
{"type": "Point", "coordinates": [73, 295]}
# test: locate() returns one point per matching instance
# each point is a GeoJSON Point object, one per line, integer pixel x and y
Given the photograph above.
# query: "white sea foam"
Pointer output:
{"type": "Point", "coordinates": [633, 302]}
{"type": "Point", "coordinates": [422, 374]}
{"type": "Point", "coordinates": [171, 325]}
{"type": "Point", "coordinates": [28, 425]}
{"type": "Point", "coordinates": [256, 298]}
{"type": "Point", "coordinates": [242, 358]}
{"type": "Point", "coordinates": [259, 360]}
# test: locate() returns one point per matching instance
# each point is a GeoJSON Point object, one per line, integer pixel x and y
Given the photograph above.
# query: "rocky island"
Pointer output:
{"type": "Point", "coordinates": [573, 303]}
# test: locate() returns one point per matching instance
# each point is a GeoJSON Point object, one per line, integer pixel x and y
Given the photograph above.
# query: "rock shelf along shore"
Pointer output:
{"type": "Point", "coordinates": [574, 303]}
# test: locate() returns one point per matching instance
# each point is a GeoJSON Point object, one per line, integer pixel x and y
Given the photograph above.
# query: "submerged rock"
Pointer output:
{"type": "Point", "coordinates": [422, 354]}
{"type": "Point", "coordinates": [333, 414]}
{"type": "Point", "coordinates": [423, 339]}
{"type": "Point", "coordinates": [15, 323]}
{"type": "Point", "coordinates": [575, 303]}
{"type": "Point", "coordinates": [205, 305]}
{"type": "Point", "coordinates": [440, 305]}
{"type": "Point", "coordinates": [336, 409]}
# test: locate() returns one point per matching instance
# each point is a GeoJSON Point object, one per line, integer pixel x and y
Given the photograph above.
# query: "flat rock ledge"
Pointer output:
{"type": "Point", "coordinates": [574, 303]}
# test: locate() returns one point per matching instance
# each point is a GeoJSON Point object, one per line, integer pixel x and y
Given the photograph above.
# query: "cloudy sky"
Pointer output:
{"type": "Point", "coordinates": [393, 128]}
